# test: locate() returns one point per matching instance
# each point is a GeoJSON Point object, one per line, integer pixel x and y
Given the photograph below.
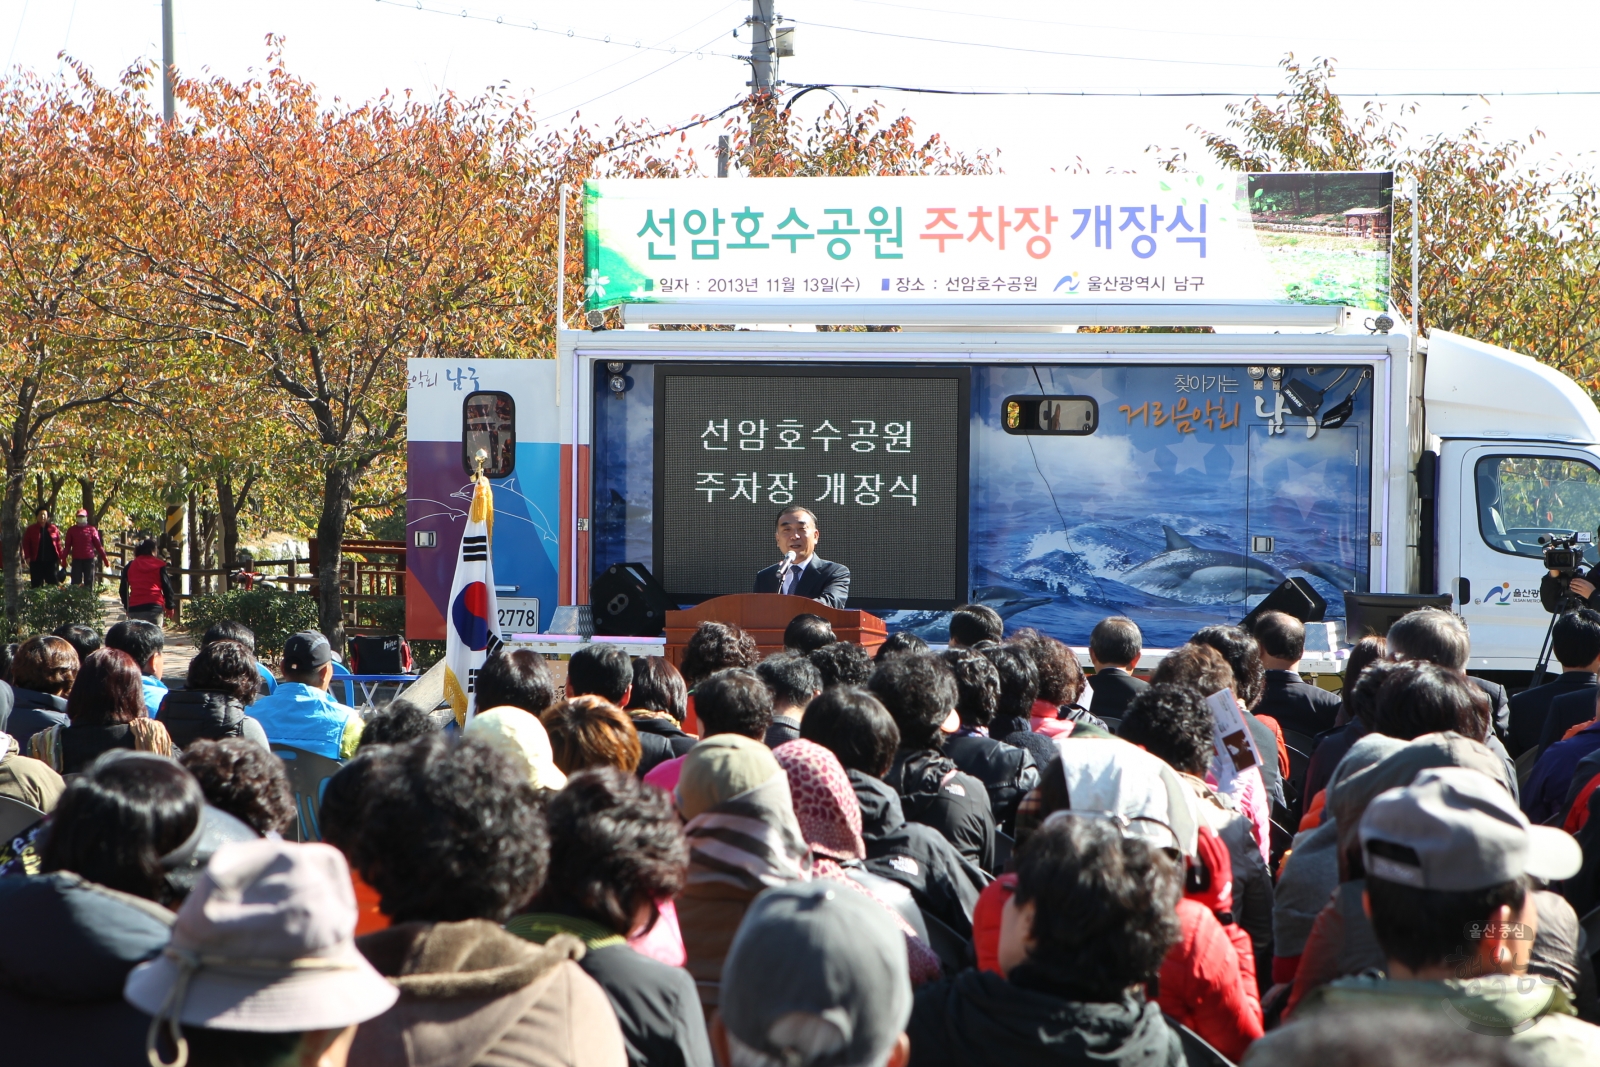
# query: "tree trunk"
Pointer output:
{"type": "Point", "coordinates": [229, 504]}
{"type": "Point", "coordinates": [11, 528]}
{"type": "Point", "coordinates": [338, 490]}
{"type": "Point", "coordinates": [208, 546]}
{"type": "Point", "coordinates": [192, 522]}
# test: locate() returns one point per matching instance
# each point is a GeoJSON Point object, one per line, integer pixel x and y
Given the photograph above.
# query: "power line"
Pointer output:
{"type": "Point", "coordinates": [1125, 59]}
{"type": "Point", "coordinates": [1157, 94]}
{"type": "Point", "coordinates": [501, 20]}
{"type": "Point", "coordinates": [1176, 33]}
{"type": "Point", "coordinates": [624, 59]}
{"type": "Point", "coordinates": [1033, 51]}
{"type": "Point", "coordinates": [675, 129]}
{"type": "Point", "coordinates": [640, 78]}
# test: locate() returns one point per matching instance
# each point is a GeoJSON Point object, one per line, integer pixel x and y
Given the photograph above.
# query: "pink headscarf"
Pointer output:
{"type": "Point", "coordinates": [824, 800]}
{"type": "Point", "coordinates": [830, 820]}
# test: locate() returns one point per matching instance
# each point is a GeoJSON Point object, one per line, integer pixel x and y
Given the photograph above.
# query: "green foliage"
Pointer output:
{"type": "Point", "coordinates": [44, 609]}
{"type": "Point", "coordinates": [272, 613]}
{"type": "Point", "coordinates": [1510, 248]}
{"type": "Point", "coordinates": [386, 614]}
{"type": "Point", "coordinates": [426, 653]}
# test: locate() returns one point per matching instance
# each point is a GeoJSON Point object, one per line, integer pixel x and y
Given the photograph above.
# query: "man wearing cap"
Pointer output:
{"type": "Point", "coordinates": [263, 965]}
{"type": "Point", "coordinates": [816, 975]}
{"type": "Point", "coordinates": [85, 548]}
{"type": "Point", "coordinates": [301, 712]}
{"type": "Point", "coordinates": [1450, 865]}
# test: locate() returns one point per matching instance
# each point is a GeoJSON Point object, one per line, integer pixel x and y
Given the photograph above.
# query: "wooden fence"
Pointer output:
{"type": "Point", "coordinates": [363, 580]}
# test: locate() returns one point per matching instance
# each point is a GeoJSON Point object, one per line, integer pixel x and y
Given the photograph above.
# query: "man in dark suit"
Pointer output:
{"type": "Point", "coordinates": [1114, 648]}
{"type": "Point", "coordinates": [1570, 699]}
{"type": "Point", "coordinates": [1288, 698]}
{"type": "Point", "coordinates": [808, 575]}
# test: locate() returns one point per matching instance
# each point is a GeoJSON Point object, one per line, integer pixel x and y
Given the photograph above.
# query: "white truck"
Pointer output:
{"type": "Point", "coordinates": [987, 450]}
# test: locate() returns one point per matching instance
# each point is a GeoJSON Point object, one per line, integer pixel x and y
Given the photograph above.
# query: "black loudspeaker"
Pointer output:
{"type": "Point", "coordinates": [1294, 597]}
{"type": "Point", "coordinates": [627, 601]}
{"type": "Point", "coordinates": [1373, 613]}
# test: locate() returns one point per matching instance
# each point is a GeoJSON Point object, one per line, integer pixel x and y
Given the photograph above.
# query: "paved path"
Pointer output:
{"type": "Point", "coordinates": [180, 648]}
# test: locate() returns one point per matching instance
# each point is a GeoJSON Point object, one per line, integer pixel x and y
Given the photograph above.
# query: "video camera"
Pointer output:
{"type": "Point", "coordinates": [1563, 553]}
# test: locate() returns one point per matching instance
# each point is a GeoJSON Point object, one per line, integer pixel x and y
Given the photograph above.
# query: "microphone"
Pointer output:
{"type": "Point", "coordinates": [783, 571]}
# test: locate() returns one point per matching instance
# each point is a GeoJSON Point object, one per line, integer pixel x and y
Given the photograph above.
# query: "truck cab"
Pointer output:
{"type": "Point", "coordinates": [1518, 460]}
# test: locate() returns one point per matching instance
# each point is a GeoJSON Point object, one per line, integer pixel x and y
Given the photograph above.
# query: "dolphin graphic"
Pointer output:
{"type": "Point", "coordinates": [935, 625]}
{"type": "Point", "coordinates": [1007, 602]}
{"type": "Point", "coordinates": [1186, 572]}
{"type": "Point", "coordinates": [1335, 575]}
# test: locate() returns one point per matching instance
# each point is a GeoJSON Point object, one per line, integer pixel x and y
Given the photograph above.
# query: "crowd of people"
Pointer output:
{"type": "Point", "coordinates": [822, 856]}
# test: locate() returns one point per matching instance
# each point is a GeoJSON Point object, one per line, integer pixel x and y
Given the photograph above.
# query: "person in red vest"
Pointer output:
{"type": "Point", "coordinates": [42, 548]}
{"type": "Point", "coordinates": [146, 589]}
{"type": "Point", "coordinates": [86, 548]}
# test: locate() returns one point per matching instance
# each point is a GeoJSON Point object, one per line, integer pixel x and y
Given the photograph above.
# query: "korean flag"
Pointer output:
{"type": "Point", "coordinates": [472, 632]}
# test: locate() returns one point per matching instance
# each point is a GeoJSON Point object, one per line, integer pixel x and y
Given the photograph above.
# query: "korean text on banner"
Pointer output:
{"type": "Point", "coordinates": [472, 629]}
{"type": "Point", "coordinates": [1301, 238]}
{"type": "Point", "coordinates": [1236, 766]}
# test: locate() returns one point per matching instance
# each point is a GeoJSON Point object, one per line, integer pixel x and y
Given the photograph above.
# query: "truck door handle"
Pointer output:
{"type": "Point", "coordinates": [1463, 592]}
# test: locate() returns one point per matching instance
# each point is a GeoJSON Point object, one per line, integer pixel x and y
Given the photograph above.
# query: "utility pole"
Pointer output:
{"type": "Point", "coordinates": [763, 70]}
{"type": "Point", "coordinates": [166, 61]}
{"type": "Point", "coordinates": [763, 56]}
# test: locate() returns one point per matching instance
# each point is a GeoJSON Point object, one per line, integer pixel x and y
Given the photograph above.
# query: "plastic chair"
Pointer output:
{"type": "Point", "coordinates": [1196, 1051]}
{"type": "Point", "coordinates": [15, 817]}
{"type": "Point", "coordinates": [308, 777]}
{"type": "Point", "coordinates": [341, 671]}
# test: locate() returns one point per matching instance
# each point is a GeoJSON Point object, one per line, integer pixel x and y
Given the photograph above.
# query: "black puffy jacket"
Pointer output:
{"type": "Point", "coordinates": [935, 792]}
{"type": "Point", "coordinates": [1008, 773]}
{"type": "Point", "coordinates": [68, 947]}
{"type": "Point", "coordinates": [659, 740]}
{"type": "Point", "coordinates": [945, 884]}
{"type": "Point", "coordinates": [192, 715]}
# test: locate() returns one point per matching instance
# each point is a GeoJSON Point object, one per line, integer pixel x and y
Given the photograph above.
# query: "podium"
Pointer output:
{"type": "Point", "coordinates": [764, 616]}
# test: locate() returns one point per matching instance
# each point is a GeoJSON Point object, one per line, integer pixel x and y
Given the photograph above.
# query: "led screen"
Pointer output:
{"type": "Point", "coordinates": [879, 454]}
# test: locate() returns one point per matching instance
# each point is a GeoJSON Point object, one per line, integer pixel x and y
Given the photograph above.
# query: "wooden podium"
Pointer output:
{"type": "Point", "coordinates": [764, 616]}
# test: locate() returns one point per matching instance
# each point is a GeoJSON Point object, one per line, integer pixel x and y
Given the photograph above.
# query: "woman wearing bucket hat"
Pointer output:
{"type": "Point", "coordinates": [262, 966]}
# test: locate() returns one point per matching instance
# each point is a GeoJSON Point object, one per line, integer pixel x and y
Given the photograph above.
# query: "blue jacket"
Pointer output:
{"type": "Point", "coordinates": [155, 691]}
{"type": "Point", "coordinates": [304, 717]}
{"type": "Point", "coordinates": [1546, 791]}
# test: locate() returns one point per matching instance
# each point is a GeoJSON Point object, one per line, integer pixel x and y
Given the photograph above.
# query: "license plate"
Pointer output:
{"type": "Point", "coordinates": [519, 615]}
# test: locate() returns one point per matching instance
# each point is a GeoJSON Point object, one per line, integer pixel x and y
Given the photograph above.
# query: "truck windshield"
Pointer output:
{"type": "Point", "coordinates": [1521, 498]}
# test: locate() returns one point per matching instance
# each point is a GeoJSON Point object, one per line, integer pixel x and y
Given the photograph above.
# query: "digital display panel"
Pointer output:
{"type": "Point", "coordinates": [879, 454]}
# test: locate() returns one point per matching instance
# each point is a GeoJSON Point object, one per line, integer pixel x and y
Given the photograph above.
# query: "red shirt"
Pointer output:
{"type": "Point", "coordinates": [84, 543]}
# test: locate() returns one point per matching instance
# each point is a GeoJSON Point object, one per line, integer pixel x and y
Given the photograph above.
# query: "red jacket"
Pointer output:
{"type": "Point", "coordinates": [84, 543]}
{"type": "Point", "coordinates": [1208, 979]}
{"type": "Point", "coordinates": [30, 542]}
{"type": "Point", "coordinates": [143, 582]}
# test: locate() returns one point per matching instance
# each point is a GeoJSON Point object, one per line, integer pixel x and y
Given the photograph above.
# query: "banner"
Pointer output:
{"type": "Point", "coordinates": [470, 636]}
{"type": "Point", "coordinates": [1236, 766]}
{"type": "Point", "coordinates": [1301, 238]}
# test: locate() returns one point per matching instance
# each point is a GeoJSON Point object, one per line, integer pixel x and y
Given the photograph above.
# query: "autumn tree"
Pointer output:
{"type": "Point", "coordinates": [59, 352]}
{"type": "Point", "coordinates": [312, 248]}
{"type": "Point", "coordinates": [1510, 248]}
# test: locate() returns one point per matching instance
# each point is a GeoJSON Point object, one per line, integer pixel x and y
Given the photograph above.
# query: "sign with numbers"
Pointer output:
{"type": "Point", "coordinates": [519, 615]}
{"type": "Point", "coordinates": [1301, 238]}
{"type": "Point", "coordinates": [878, 454]}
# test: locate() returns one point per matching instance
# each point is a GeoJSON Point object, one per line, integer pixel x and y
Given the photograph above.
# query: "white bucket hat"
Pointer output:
{"type": "Point", "coordinates": [265, 943]}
